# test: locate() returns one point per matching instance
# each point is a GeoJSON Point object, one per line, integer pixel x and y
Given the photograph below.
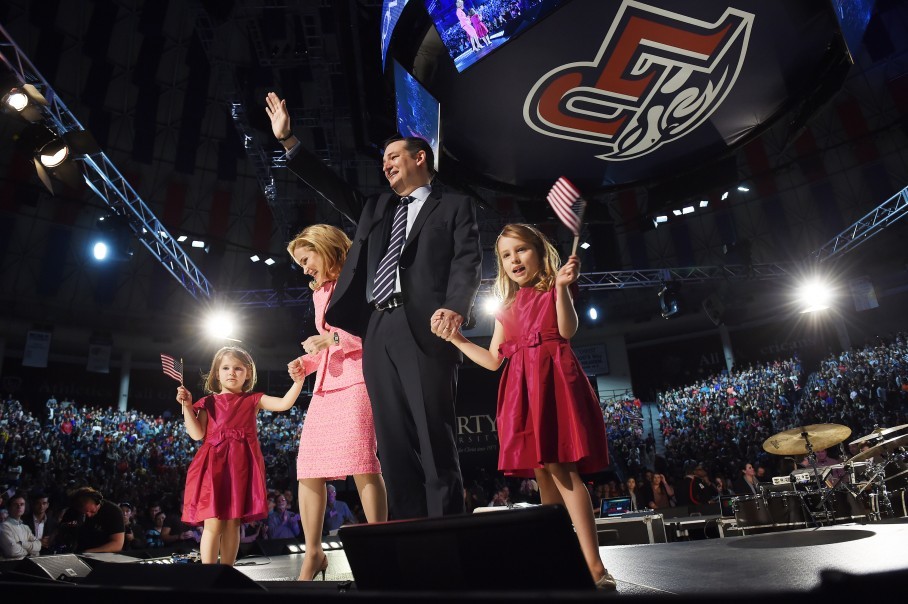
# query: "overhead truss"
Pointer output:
{"type": "Point", "coordinates": [105, 180]}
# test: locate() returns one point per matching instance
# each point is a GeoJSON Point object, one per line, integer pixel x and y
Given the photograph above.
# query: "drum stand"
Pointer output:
{"type": "Point", "coordinates": [824, 514]}
{"type": "Point", "coordinates": [879, 496]}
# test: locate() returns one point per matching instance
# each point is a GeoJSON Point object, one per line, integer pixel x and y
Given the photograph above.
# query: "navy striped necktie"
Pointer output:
{"type": "Point", "coordinates": [386, 274]}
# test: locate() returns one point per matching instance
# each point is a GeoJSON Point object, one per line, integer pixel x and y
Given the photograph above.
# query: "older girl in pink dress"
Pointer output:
{"type": "Point", "coordinates": [338, 437]}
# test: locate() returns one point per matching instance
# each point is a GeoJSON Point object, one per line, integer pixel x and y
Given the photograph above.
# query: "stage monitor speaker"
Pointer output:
{"type": "Point", "coordinates": [176, 576]}
{"type": "Point", "coordinates": [62, 567]}
{"type": "Point", "coordinates": [277, 547]}
{"type": "Point", "coordinates": [492, 552]}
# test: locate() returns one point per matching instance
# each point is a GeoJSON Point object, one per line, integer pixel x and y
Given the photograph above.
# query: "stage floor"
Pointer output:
{"type": "Point", "coordinates": [789, 561]}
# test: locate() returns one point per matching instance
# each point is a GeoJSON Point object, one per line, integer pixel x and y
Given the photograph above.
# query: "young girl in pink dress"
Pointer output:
{"type": "Point", "coordinates": [338, 437]}
{"type": "Point", "coordinates": [225, 483]}
{"type": "Point", "coordinates": [482, 32]}
{"type": "Point", "coordinates": [549, 421]}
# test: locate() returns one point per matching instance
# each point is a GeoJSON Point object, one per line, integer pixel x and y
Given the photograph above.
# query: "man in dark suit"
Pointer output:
{"type": "Point", "coordinates": [409, 368]}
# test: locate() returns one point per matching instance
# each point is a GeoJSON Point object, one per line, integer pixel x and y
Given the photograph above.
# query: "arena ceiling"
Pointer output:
{"type": "Point", "coordinates": [172, 92]}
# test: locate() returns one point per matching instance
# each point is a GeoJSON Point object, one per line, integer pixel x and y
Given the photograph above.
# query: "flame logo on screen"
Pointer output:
{"type": "Point", "coordinates": [657, 76]}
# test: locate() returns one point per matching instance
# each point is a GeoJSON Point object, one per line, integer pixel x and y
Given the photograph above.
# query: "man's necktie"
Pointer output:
{"type": "Point", "coordinates": [386, 274]}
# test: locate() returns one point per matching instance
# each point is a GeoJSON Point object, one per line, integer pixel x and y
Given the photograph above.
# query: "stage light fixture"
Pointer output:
{"type": "Point", "coordinates": [112, 239]}
{"type": "Point", "coordinates": [724, 195]}
{"type": "Point", "coordinates": [26, 101]}
{"type": "Point", "coordinates": [254, 257]}
{"type": "Point", "coordinates": [704, 203]}
{"type": "Point", "coordinates": [669, 300]}
{"type": "Point", "coordinates": [182, 238]}
{"type": "Point", "coordinates": [676, 212]}
{"type": "Point", "coordinates": [593, 313]}
{"type": "Point", "coordinates": [814, 295]}
{"type": "Point", "coordinates": [743, 188]}
{"type": "Point", "coordinates": [687, 210]}
{"type": "Point", "coordinates": [100, 250]}
{"type": "Point", "coordinates": [198, 243]}
{"type": "Point", "coordinates": [660, 219]}
{"type": "Point", "coordinates": [269, 261]}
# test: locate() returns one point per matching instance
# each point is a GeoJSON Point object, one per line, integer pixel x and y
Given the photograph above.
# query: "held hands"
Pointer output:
{"type": "Point", "coordinates": [569, 273]}
{"type": "Point", "coordinates": [184, 397]}
{"type": "Point", "coordinates": [446, 324]}
{"type": "Point", "coordinates": [317, 343]}
{"type": "Point", "coordinates": [276, 108]}
{"type": "Point", "coordinates": [295, 369]}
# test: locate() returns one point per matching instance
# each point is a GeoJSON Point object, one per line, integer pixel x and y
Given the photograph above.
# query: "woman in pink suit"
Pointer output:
{"type": "Point", "coordinates": [338, 437]}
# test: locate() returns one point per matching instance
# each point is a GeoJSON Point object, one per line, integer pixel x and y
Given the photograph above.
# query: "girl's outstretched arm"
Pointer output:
{"type": "Point", "coordinates": [489, 359]}
{"type": "Point", "coordinates": [564, 304]}
{"type": "Point", "coordinates": [274, 403]}
{"type": "Point", "coordinates": [196, 423]}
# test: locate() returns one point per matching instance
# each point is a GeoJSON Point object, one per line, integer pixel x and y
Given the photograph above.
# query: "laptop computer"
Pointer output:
{"type": "Point", "coordinates": [491, 552]}
{"type": "Point", "coordinates": [614, 506]}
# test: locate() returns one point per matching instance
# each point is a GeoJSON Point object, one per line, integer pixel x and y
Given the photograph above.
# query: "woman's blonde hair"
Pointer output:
{"type": "Point", "coordinates": [329, 242]}
{"type": "Point", "coordinates": [548, 261]}
{"type": "Point", "coordinates": [213, 385]}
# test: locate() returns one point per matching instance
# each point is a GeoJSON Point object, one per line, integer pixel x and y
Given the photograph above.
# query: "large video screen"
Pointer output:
{"type": "Point", "coordinates": [390, 13]}
{"type": "Point", "coordinates": [473, 29]}
{"type": "Point", "coordinates": [418, 112]}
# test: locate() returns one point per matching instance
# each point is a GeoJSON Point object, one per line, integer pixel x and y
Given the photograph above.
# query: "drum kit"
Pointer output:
{"type": "Point", "coordinates": [862, 487]}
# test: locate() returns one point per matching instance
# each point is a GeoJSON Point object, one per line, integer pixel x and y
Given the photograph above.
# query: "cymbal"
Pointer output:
{"type": "Point", "coordinates": [794, 442]}
{"type": "Point", "coordinates": [878, 433]}
{"type": "Point", "coordinates": [887, 446]}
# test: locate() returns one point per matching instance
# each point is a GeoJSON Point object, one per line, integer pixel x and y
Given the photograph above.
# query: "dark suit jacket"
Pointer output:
{"type": "Point", "coordinates": [440, 265]}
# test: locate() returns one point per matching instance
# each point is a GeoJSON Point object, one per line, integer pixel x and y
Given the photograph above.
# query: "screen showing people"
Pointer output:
{"type": "Point", "coordinates": [418, 113]}
{"type": "Point", "coordinates": [390, 13]}
{"type": "Point", "coordinates": [473, 29]}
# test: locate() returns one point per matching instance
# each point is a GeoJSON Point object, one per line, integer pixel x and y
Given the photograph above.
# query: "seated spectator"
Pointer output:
{"type": "Point", "coordinates": [42, 524]}
{"type": "Point", "coordinates": [502, 497]}
{"type": "Point", "coordinates": [282, 523]}
{"type": "Point", "coordinates": [337, 513]}
{"type": "Point", "coordinates": [97, 523]}
{"type": "Point", "coordinates": [529, 491]}
{"type": "Point", "coordinates": [153, 533]}
{"type": "Point", "coordinates": [134, 535]}
{"type": "Point", "coordinates": [747, 483]}
{"type": "Point", "coordinates": [696, 489]}
{"type": "Point", "coordinates": [658, 494]}
{"type": "Point", "coordinates": [17, 541]}
{"type": "Point", "coordinates": [251, 531]}
{"type": "Point", "coordinates": [630, 486]}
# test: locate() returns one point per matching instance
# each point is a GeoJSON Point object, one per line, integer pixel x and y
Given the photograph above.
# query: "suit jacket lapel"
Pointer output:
{"type": "Point", "coordinates": [378, 234]}
{"type": "Point", "coordinates": [428, 207]}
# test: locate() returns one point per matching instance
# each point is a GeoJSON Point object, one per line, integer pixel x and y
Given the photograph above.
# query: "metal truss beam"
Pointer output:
{"type": "Point", "coordinates": [269, 298]}
{"type": "Point", "coordinates": [891, 210]}
{"type": "Point", "coordinates": [105, 180]}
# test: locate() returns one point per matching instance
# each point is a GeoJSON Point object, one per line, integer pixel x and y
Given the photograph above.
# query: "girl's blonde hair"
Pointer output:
{"type": "Point", "coordinates": [549, 261]}
{"type": "Point", "coordinates": [213, 385]}
{"type": "Point", "coordinates": [329, 242]}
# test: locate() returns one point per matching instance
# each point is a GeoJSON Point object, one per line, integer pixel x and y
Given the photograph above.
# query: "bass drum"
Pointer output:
{"type": "Point", "coordinates": [844, 506]}
{"type": "Point", "coordinates": [751, 512]}
{"type": "Point", "coordinates": [899, 501]}
{"type": "Point", "coordinates": [786, 509]}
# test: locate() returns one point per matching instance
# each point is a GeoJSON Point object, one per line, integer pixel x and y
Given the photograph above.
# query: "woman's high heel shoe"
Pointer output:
{"type": "Point", "coordinates": [322, 568]}
{"type": "Point", "coordinates": [607, 582]}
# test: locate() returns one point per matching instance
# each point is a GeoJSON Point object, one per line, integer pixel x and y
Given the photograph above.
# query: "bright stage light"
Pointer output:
{"type": "Point", "coordinates": [704, 203]}
{"type": "Point", "coordinates": [585, 245]}
{"type": "Point", "coordinates": [592, 313]}
{"type": "Point", "coordinates": [220, 325]}
{"type": "Point", "coordinates": [813, 296]}
{"type": "Point", "coordinates": [99, 251]}
{"type": "Point", "coordinates": [491, 305]}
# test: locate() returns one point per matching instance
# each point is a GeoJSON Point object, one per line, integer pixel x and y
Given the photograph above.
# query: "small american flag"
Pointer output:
{"type": "Point", "coordinates": [172, 367]}
{"type": "Point", "coordinates": [565, 199]}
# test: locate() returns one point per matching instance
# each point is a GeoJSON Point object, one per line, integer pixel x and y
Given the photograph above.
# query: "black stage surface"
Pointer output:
{"type": "Point", "coordinates": [837, 563]}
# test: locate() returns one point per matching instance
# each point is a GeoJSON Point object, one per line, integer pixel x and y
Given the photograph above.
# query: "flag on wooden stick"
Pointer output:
{"type": "Point", "coordinates": [172, 367]}
{"type": "Point", "coordinates": [565, 199]}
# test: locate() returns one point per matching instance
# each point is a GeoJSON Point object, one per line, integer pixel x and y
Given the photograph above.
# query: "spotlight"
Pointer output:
{"type": "Point", "coordinates": [182, 238]}
{"type": "Point", "coordinates": [704, 203]}
{"type": "Point", "coordinates": [53, 153]}
{"type": "Point", "coordinates": [660, 219]}
{"type": "Point", "coordinates": [669, 300]}
{"type": "Point", "coordinates": [676, 212]}
{"type": "Point", "coordinates": [25, 101]}
{"type": "Point", "coordinates": [112, 240]}
{"type": "Point", "coordinates": [688, 210]}
{"type": "Point", "coordinates": [593, 313]}
{"type": "Point", "coordinates": [491, 305]}
{"type": "Point", "coordinates": [254, 257]}
{"type": "Point", "coordinates": [221, 325]}
{"type": "Point", "coordinates": [743, 188]}
{"type": "Point", "coordinates": [724, 196]}
{"type": "Point", "coordinates": [269, 261]}
{"type": "Point", "coordinates": [99, 251]}
{"type": "Point", "coordinates": [585, 245]}
{"type": "Point", "coordinates": [198, 243]}
{"type": "Point", "coordinates": [814, 295]}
